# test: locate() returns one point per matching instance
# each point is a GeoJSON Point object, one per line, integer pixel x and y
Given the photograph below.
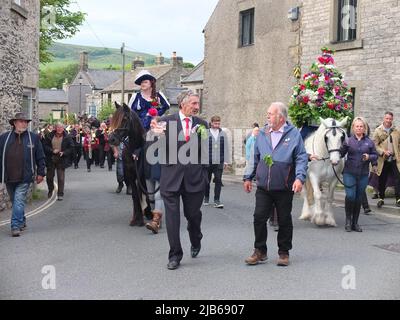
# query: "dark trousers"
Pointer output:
{"type": "Point", "coordinates": [102, 155]}
{"type": "Point", "coordinates": [265, 202]}
{"type": "Point", "coordinates": [191, 209]}
{"type": "Point", "coordinates": [77, 154]}
{"type": "Point", "coordinates": [51, 171]}
{"type": "Point", "coordinates": [89, 161]}
{"type": "Point", "coordinates": [389, 168]}
{"type": "Point", "coordinates": [110, 158]}
{"type": "Point", "coordinates": [217, 170]}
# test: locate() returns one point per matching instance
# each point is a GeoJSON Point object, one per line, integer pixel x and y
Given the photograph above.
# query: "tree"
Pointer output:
{"type": "Point", "coordinates": [106, 111]}
{"type": "Point", "coordinates": [60, 23]}
{"type": "Point", "coordinates": [55, 77]}
{"type": "Point", "coordinates": [188, 65]}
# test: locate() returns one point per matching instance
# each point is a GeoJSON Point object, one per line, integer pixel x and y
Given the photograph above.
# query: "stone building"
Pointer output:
{"type": "Point", "coordinates": [19, 59]}
{"type": "Point", "coordinates": [52, 101]}
{"type": "Point", "coordinates": [168, 80]}
{"type": "Point", "coordinates": [19, 64]}
{"type": "Point", "coordinates": [88, 82]}
{"type": "Point", "coordinates": [252, 47]}
{"type": "Point", "coordinates": [194, 81]}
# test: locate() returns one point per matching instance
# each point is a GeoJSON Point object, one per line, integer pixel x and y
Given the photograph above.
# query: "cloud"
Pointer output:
{"type": "Point", "coordinates": [150, 26]}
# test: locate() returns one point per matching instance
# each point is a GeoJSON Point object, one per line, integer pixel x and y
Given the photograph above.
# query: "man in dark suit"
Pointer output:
{"type": "Point", "coordinates": [184, 174]}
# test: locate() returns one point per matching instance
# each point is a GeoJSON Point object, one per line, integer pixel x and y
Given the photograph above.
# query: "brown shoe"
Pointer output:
{"type": "Point", "coordinates": [256, 257]}
{"type": "Point", "coordinates": [15, 233]}
{"type": "Point", "coordinates": [283, 260]}
{"type": "Point", "coordinates": [155, 224]}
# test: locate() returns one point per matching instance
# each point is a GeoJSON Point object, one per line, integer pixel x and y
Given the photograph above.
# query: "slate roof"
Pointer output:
{"type": "Point", "coordinates": [196, 75]}
{"type": "Point", "coordinates": [100, 79]}
{"type": "Point", "coordinates": [52, 96]}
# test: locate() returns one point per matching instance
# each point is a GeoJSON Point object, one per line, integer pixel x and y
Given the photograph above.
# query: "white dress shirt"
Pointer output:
{"type": "Point", "coordinates": [183, 121]}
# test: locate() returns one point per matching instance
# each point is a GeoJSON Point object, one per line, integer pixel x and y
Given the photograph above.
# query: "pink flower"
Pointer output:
{"type": "Point", "coordinates": [321, 91]}
{"type": "Point", "coordinates": [153, 112]}
{"type": "Point", "coordinates": [306, 99]}
{"type": "Point", "coordinates": [302, 87]}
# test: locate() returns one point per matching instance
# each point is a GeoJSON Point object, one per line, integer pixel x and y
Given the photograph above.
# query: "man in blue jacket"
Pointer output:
{"type": "Point", "coordinates": [21, 152]}
{"type": "Point", "coordinates": [280, 167]}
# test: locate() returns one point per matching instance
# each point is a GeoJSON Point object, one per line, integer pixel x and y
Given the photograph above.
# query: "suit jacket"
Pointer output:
{"type": "Point", "coordinates": [178, 167]}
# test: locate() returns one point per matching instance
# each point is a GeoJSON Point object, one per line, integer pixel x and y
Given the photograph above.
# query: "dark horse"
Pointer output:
{"type": "Point", "coordinates": [126, 127]}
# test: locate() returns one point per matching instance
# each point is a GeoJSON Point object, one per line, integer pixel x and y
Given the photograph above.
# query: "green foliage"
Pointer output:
{"type": "Point", "coordinates": [106, 111]}
{"type": "Point", "coordinates": [188, 65]}
{"type": "Point", "coordinates": [66, 25]}
{"type": "Point", "coordinates": [55, 77]}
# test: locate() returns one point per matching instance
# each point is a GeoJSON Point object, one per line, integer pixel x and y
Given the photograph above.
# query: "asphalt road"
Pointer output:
{"type": "Point", "coordinates": [95, 254]}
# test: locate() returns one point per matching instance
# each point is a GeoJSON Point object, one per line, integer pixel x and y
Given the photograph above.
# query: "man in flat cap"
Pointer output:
{"type": "Point", "coordinates": [21, 162]}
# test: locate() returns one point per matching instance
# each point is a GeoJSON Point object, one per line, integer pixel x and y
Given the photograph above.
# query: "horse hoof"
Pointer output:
{"type": "Point", "coordinates": [305, 217]}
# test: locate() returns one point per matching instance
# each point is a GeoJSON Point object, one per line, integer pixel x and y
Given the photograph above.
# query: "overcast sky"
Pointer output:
{"type": "Point", "coordinates": [150, 26]}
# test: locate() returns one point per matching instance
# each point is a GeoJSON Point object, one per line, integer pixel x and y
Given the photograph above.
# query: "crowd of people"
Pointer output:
{"type": "Point", "coordinates": [275, 155]}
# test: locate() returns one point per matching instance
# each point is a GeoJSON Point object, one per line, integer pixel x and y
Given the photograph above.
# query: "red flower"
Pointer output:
{"type": "Point", "coordinates": [331, 105]}
{"type": "Point", "coordinates": [306, 99]}
{"type": "Point", "coordinates": [153, 112]}
{"type": "Point", "coordinates": [345, 106]}
{"type": "Point", "coordinates": [321, 91]}
{"type": "Point", "coordinates": [154, 103]}
{"type": "Point", "coordinates": [302, 87]}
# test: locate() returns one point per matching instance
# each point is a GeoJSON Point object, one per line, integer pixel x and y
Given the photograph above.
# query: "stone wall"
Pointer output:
{"type": "Point", "coordinates": [19, 62]}
{"type": "Point", "coordinates": [371, 64]}
{"type": "Point", "coordinates": [19, 56]}
{"type": "Point", "coordinates": [241, 82]}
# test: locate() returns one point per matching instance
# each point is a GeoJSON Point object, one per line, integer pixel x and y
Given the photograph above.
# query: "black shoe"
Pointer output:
{"type": "Point", "coordinates": [172, 265]}
{"type": "Point", "coordinates": [398, 203]}
{"type": "Point", "coordinates": [195, 251]}
{"type": "Point", "coordinates": [380, 203]}
{"type": "Point", "coordinates": [367, 211]}
{"type": "Point", "coordinates": [119, 188]}
{"type": "Point", "coordinates": [375, 196]}
{"type": "Point", "coordinates": [49, 194]}
{"type": "Point", "coordinates": [23, 227]}
{"type": "Point", "coordinates": [76, 166]}
{"type": "Point", "coordinates": [88, 170]}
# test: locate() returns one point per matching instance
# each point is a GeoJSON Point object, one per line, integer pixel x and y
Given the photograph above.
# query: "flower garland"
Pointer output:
{"type": "Point", "coordinates": [321, 93]}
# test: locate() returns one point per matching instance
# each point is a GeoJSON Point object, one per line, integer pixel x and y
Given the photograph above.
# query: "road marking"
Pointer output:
{"type": "Point", "coordinates": [38, 210]}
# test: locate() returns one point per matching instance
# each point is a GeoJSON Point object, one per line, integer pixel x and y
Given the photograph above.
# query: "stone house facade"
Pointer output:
{"type": "Point", "coordinates": [19, 59]}
{"type": "Point", "coordinates": [19, 64]}
{"type": "Point", "coordinates": [52, 101]}
{"type": "Point", "coordinates": [194, 81]}
{"type": "Point", "coordinates": [88, 83]}
{"type": "Point", "coordinates": [253, 46]}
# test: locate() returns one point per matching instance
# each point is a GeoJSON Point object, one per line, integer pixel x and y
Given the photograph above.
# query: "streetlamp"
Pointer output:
{"type": "Point", "coordinates": [80, 93]}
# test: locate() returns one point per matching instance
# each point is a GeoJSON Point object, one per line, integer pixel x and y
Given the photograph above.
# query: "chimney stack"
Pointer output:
{"type": "Point", "coordinates": [83, 61]}
{"type": "Point", "coordinates": [160, 59]}
{"type": "Point", "coordinates": [176, 61]}
{"type": "Point", "coordinates": [138, 62]}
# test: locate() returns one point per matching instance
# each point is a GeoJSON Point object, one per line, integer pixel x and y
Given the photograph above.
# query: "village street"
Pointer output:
{"type": "Point", "coordinates": [85, 242]}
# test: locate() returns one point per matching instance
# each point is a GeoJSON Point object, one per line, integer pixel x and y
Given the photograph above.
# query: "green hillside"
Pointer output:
{"type": "Point", "coordinates": [99, 58]}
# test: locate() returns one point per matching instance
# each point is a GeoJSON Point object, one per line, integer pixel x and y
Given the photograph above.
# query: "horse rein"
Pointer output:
{"type": "Point", "coordinates": [333, 150]}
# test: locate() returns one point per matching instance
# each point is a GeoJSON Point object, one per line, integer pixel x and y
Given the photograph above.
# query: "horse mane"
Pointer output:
{"type": "Point", "coordinates": [117, 118]}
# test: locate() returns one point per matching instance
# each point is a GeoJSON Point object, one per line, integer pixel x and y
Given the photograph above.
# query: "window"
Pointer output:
{"type": "Point", "coordinates": [27, 103]}
{"type": "Point", "coordinates": [18, 2]}
{"type": "Point", "coordinates": [247, 27]}
{"type": "Point", "coordinates": [347, 20]}
{"type": "Point", "coordinates": [92, 110]}
{"type": "Point", "coordinates": [109, 98]}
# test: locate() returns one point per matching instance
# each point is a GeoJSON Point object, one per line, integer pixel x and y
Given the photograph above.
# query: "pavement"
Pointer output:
{"type": "Point", "coordinates": [83, 248]}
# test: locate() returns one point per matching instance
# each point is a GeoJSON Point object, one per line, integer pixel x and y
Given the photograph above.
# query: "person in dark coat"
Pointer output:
{"type": "Point", "coordinates": [59, 148]}
{"type": "Point", "coordinates": [22, 163]}
{"type": "Point", "coordinates": [184, 177]}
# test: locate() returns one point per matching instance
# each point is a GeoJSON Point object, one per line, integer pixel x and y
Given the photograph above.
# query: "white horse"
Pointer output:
{"type": "Point", "coordinates": [324, 143]}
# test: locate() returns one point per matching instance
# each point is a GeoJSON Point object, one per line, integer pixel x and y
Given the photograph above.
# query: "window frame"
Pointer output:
{"type": "Point", "coordinates": [251, 34]}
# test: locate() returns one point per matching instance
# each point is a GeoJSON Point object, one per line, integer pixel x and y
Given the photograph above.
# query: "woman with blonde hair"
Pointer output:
{"type": "Point", "coordinates": [360, 150]}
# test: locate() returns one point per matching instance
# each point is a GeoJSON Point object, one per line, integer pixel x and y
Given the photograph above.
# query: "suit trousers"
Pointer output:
{"type": "Point", "coordinates": [265, 202]}
{"type": "Point", "coordinates": [192, 202]}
